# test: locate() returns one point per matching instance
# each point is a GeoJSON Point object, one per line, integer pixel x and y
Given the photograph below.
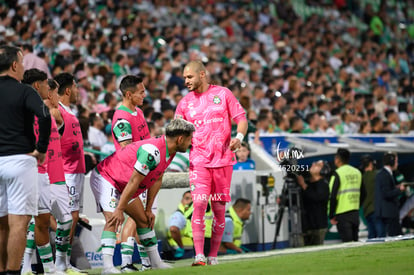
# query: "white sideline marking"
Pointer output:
{"type": "Point", "coordinates": [313, 248]}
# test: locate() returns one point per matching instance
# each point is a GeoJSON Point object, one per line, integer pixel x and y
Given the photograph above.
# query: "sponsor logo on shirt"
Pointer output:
{"type": "Point", "coordinates": [199, 122]}
{"type": "Point", "coordinates": [216, 99]}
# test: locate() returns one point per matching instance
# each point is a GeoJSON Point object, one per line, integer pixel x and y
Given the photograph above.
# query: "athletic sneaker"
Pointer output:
{"type": "Point", "coordinates": [161, 265]}
{"type": "Point", "coordinates": [110, 270]}
{"type": "Point", "coordinates": [212, 260]}
{"type": "Point", "coordinates": [145, 268]}
{"type": "Point", "coordinates": [199, 260]}
{"type": "Point", "coordinates": [74, 270]}
{"type": "Point", "coordinates": [129, 268]}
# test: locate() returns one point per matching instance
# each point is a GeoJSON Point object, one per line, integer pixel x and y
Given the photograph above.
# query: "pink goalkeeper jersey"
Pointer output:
{"type": "Point", "coordinates": [211, 112]}
{"type": "Point", "coordinates": [72, 144]}
{"type": "Point", "coordinates": [149, 157]}
{"type": "Point", "coordinates": [128, 125]}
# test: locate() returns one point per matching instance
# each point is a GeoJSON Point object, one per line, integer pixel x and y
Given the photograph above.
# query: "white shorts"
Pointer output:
{"type": "Point", "coordinates": [18, 185]}
{"type": "Point", "coordinates": [143, 197]}
{"type": "Point", "coordinates": [61, 209]}
{"type": "Point", "coordinates": [43, 184]}
{"type": "Point", "coordinates": [106, 195]}
{"type": "Point", "coordinates": [75, 186]}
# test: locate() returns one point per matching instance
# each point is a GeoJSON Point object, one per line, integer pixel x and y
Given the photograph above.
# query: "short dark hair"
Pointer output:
{"type": "Point", "coordinates": [157, 116]}
{"type": "Point", "coordinates": [64, 80]}
{"type": "Point", "coordinates": [119, 57]}
{"type": "Point", "coordinates": [148, 111]}
{"type": "Point", "coordinates": [27, 47]}
{"type": "Point", "coordinates": [108, 78]}
{"type": "Point", "coordinates": [129, 82]}
{"type": "Point", "coordinates": [8, 55]}
{"type": "Point", "coordinates": [32, 75]}
{"type": "Point", "coordinates": [186, 192]}
{"type": "Point", "coordinates": [365, 161]}
{"type": "Point", "coordinates": [310, 116]}
{"type": "Point", "coordinates": [246, 145]}
{"type": "Point", "coordinates": [108, 97]}
{"type": "Point", "coordinates": [389, 158]}
{"type": "Point", "coordinates": [343, 154]}
{"type": "Point", "coordinates": [52, 84]}
{"type": "Point", "coordinates": [241, 203]}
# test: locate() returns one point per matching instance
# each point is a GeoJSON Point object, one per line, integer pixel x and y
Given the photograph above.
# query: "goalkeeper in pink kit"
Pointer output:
{"type": "Point", "coordinates": [211, 109]}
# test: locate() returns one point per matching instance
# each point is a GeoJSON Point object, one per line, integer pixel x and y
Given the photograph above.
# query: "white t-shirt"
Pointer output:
{"type": "Point", "coordinates": [96, 137]}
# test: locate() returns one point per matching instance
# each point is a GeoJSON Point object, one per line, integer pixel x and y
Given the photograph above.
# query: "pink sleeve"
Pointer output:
{"type": "Point", "coordinates": [239, 118]}
{"type": "Point", "coordinates": [178, 111]}
{"type": "Point", "coordinates": [235, 109]}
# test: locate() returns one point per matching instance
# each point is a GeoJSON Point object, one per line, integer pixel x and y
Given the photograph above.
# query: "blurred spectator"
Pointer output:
{"type": "Point", "coordinates": [364, 127]}
{"type": "Point", "coordinates": [296, 125]}
{"type": "Point", "coordinates": [243, 158]}
{"type": "Point", "coordinates": [32, 61]}
{"type": "Point", "coordinates": [109, 86]}
{"type": "Point", "coordinates": [313, 122]}
{"type": "Point", "coordinates": [377, 125]}
{"type": "Point", "coordinates": [96, 136]}
{"type": "Point", "coordinates": [330, 63]}
{"type": "Point", "coordinates": [108, 147]}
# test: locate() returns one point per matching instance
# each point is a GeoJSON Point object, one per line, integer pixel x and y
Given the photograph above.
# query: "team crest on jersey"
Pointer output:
{"type": "Point", "coordinates": [192, 188]}
{"type": "Point", "coordinates": [112, 203]}
{"type": "Point", "coordinates": [216, 99]}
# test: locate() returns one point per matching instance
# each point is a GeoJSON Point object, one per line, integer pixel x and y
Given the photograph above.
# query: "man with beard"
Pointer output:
{"type": "Point", "coordinates": [211, 109]}
{"type": "Point", "coordinates": [120, 178]}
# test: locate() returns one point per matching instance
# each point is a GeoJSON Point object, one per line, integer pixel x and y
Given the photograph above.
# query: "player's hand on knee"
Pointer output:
{"type": "Point", "coordinates": [150, 218]}
{"type": "Point", "coordinates": [117, 219]}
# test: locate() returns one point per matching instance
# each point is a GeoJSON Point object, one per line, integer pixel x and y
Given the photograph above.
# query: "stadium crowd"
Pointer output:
{"type": "Point", "coordinates": [346, 69]}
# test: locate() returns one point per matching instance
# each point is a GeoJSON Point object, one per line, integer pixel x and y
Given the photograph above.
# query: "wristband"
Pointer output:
{"type": "Point", "coordinates": [240, 137]}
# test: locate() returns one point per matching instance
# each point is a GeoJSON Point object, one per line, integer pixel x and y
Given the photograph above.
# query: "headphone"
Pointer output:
{"type": "Point", "coordinates": [326, 169]}
{"type": "Point", "coordinates": [389, 159]}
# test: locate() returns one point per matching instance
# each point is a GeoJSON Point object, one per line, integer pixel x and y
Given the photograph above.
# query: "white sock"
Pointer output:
{"type": "Point", "coordinates": [154, 256]}
{"type": "Point", "coordinates": [127, 250]}
{"type": "Point", "coordinates": [27, 260]}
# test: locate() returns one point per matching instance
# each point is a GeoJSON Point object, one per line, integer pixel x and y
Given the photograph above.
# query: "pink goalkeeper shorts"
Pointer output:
{"type": "Point", "coordinates": [211, 183]}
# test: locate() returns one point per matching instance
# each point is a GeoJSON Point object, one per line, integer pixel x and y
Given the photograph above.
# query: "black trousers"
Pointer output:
{"type": "Point", "coordinates": [392, 226]}
{"type": "Point", "coordinates": [348, 226]}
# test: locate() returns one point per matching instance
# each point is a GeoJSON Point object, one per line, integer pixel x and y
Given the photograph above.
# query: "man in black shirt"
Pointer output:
{"type": "Point", "coordinates": [315, 203]}
{"type": "Point", "coordinates": [19, 155]}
